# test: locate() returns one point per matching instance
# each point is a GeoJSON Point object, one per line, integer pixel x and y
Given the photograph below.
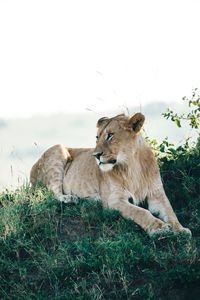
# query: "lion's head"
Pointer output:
{"type": "Point", "coordinates": [116, 140]}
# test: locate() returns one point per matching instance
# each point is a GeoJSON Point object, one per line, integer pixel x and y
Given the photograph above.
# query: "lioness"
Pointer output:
{"type": "Point", "coordinates": [122, 166]}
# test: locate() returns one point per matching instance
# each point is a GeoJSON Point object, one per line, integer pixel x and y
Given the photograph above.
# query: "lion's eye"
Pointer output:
{"type": "Point", "coordinates": [97, 137]}
{"type": "Point", "coordinates": [109, 136]}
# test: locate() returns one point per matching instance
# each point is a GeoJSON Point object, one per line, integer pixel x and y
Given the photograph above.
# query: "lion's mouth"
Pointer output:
{"type": "Point", "coordinates": [112, 161]}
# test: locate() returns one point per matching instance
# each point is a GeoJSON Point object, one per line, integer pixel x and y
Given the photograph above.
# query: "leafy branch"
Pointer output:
{"type": "Point", "coordinates": [166, 150]}
{"type": "Point", "coordinates": [193, 116]}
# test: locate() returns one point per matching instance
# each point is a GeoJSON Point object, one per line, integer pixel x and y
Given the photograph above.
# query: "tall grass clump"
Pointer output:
{"type": "Point", "coordinates": [52, 250]}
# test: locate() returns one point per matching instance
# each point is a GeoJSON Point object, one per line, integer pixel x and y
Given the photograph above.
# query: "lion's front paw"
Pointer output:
{"type": "Point", "coordinates": [177, 227]}
{"type": "Point", "coordinates": [186, 231]}
{"type": "Point", "coordinates": [159, 227]}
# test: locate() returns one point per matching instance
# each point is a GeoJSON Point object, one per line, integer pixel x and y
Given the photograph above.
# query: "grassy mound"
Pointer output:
{"type": "Point", "coordinates": [51, 250]}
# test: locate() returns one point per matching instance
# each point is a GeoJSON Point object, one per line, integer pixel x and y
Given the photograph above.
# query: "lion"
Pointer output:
{"type": "Point", "coordinates": [121, 171]}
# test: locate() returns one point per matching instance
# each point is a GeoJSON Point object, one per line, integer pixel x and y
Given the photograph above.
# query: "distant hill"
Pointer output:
{"type": "Point", "coordinates": [23, 140]}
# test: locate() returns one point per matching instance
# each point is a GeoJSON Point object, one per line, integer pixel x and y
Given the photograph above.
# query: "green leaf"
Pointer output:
{"type": "Point", "coordinates": [177, 122]}
{"type": "Point", "coordinates": [162, 148]}
{"type": "Point", "coordinates": [172, 150]}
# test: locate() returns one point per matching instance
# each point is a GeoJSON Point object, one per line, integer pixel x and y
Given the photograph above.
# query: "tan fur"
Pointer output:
{"type": "Point", "coordinates": [122, 166]}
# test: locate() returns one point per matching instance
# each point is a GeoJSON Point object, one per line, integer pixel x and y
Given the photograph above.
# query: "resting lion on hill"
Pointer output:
{"type": "Point", "coordinates": [120, 168]}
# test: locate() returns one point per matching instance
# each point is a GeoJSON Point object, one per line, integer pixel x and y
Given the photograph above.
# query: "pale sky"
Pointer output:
{"type": "Point", "coordinates": [63, 56]}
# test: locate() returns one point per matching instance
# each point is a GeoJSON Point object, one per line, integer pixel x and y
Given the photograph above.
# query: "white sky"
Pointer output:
{"type": "Point", "coordinates": [62, 56]}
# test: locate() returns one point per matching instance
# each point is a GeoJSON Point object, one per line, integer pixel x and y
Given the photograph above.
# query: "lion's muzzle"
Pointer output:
{"type": "Point", "coordinates": [105, 165]}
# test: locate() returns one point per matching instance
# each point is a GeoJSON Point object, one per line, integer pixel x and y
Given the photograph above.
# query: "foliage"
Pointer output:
{"type": "Point", "coordinates": [193, 116]}
{"type": "Point", "coordinates": [52, 250]}
{"type": "Point", "coordinates": [168, 150]}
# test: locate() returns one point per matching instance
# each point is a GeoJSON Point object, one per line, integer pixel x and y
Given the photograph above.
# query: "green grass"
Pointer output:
{"type": "Point", "coordinates": [51, 250]}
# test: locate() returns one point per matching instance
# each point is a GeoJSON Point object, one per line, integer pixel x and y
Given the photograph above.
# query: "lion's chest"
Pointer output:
{"type": "Point", "coordinates": [136, 184]}
{"type": "Point", "coordinates": [122, 186]}
{"type": "Point", "coordinates": [137, 193]}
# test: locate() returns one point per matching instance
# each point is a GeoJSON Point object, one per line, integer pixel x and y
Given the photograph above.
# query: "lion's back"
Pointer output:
{"type": "Point", "coordinates": [81, 176]}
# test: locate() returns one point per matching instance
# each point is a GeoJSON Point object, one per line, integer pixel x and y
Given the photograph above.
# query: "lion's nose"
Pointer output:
{"type": "Point", "coordinates": [97, 155]}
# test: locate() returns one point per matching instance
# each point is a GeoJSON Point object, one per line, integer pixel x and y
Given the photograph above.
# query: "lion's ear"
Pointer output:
{"type": "Point", "coordinates": [101, 121]}
{"type": "Point", "coordinates": [136, 122]}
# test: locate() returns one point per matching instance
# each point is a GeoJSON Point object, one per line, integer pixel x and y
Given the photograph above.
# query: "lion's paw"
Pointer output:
{"type": "Point", "coordinates": [186, 231]}
{"type": "Point", "coordinates": [178, 228]}
{"type": "Point", "coordinates": [159, 228]}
